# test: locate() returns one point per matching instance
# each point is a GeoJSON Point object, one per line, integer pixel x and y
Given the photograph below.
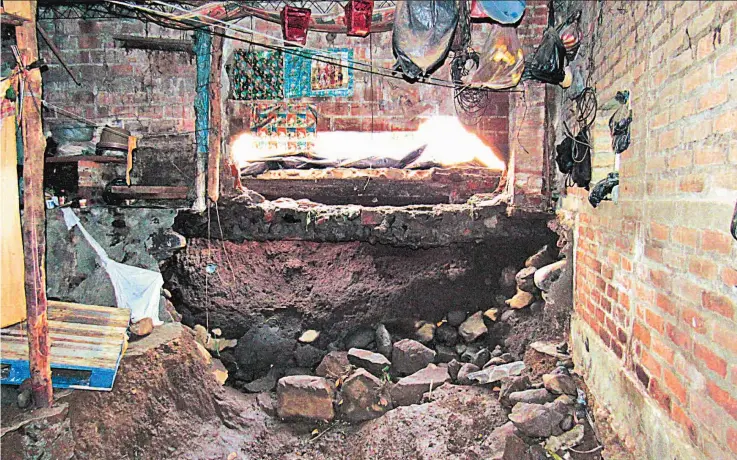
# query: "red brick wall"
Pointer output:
{"type": "Point", "coordinates": [655, 273]}
{"type": "Point", "coordinates": [148, 91]}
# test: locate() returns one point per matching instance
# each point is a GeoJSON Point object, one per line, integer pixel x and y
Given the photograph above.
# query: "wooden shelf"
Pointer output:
{"type": "Point", "coordinates": [90, 158]}
{"type": "Point", "coordinates": [156, 44]}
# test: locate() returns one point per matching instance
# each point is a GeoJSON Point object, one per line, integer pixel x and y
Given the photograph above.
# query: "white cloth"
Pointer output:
{"type": "Point", "coordinates": [135, 288]}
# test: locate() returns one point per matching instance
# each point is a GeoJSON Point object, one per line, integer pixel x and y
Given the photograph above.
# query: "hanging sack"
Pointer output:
{"type": "Point", "coordinates": [619, 123]}
{"type": "Point", "coordinates": [423, 30]}
{"type": "Point", "coordinates": [548, 63]}
{"type": "Point", "coordinates": [501, 11]}
{"type": "Point", "coordinates": [501, 62]}
{"type": "Point", "coordinates": [573, 157]}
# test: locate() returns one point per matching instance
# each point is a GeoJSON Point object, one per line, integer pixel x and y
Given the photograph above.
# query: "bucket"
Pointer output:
{"type": "Point", "coordinates": [113, 138]}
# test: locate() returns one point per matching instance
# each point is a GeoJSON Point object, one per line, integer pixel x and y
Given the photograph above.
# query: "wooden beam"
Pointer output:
{"type": "Point", "coordinates": [156, 44]}
{"type": "Point", "coordinates": [376, 187]}
{"type": "Point", "coordinates": [90, 158]}
{"type": "Point", "coordinates": [34, 226]}
{"type": "Point", "coordinates": [149, 192]}
{"type": "Point", "coordinates": [216, 108]}
{"type": "Point", "coordinates": [11, 19]}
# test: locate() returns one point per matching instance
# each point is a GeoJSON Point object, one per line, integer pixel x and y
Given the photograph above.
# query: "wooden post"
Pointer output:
{"type": "Point", "coordinates": [202, 49]}
{"type": "Point", "coordinates": [34, 217]}
{"type": "Point", "coordinates": [216, 107]}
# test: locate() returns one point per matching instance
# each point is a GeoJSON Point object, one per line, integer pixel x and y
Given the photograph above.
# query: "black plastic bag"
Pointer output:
{"type": "Point", "coordinates": [573, 157]}
{"type": "Point", "coordinates": [423, 30]}
{"type": "Point", "coordinates": [619, 123]}
{"type": "Point", "coordinates": [548, 63]}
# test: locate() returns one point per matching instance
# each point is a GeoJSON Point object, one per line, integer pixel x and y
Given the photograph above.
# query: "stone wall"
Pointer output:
{"type": "Point", "coordinates": [655, 271]}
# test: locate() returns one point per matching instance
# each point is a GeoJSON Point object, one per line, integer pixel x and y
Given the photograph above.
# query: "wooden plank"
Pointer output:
{"type": "Point", "coordinates": [156, 44]}
{"type": "Point", "coordinates": [34, 223]}
{"type": "Point", "coordinates": [150, 192]}
{"type": "Point", "coordinates": [11, 19]}
{"type": "Point", "coordinates": [91, 158]}
{"type": "Point", "coordinates": [378, 187]}
{"type": "Point", "coordinates": [216, 110]}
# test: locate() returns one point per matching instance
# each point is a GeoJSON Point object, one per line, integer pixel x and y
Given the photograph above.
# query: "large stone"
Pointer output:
{"type": "Point", "coordinates": [512, 385]}
{"type": "Point", "coordinates": [409, 390]}
{"type": "Point", "coordinates": [361, 338]}
{"type": "Point", "coordinates": [265, 346]}
{"type": "Point", "coordinates": [409, 356]}
{"type": "Point", "coordinates": [473, 327]}
{"type": "Point", "coordinates": [466, 368]}
{"type": "Point", "coordinates": [566, 440]}
{"type": "Point", "coordinates": [496, 373]}
{"type": "Point", "coordinates": [520, 300]}
{"type": "Point", "coordinates": [383, 341]}
{"type": "Point", "coordinates": [560, 384]}
{"type": "Point", "coordinates": [526, 279]}
{"type": "Point", "coordinates": [453, 368]}
{"type": "Point", "coordinates": [536, 420]}
{"type": "Point", "coordinates": [305, 397]}
{"type": "Point", "coordinates": [447, 334]}
{"type": "Point", "coordinates": [425, 332]}
{"type": "Point", "coordinates": [372, 362]}
{"type": "Point", "coordinates": [334, 365]}
{"type": "Point", "coordinates": [142, 328]}
{"type": "Point", "coordinates": [364, 397]}
{"type": "Point", "coordinates": [456, 317]}
{"type": "Point", "coordinates": [534, 396]}
{"type": "Point", "coordinates": [541, 258]}
{"type": "Point", "coordinates": [263, 384]}
{"type": "Point", "coordinates": [444, 354]}
{"type": "Point", "coordinates": [549, 274]}
{"type": "Point", "coordinates": [308, 356]}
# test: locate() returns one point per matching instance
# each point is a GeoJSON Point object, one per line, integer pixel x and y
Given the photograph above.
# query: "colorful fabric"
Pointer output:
{"type": "Point", "coordinates": [284, 128]}
{"type": "Point", "coordinates": [317, 74]}
{"type": "Point", "coordinates": [258, 75]}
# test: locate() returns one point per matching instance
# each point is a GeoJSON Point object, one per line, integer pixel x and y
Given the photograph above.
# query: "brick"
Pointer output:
{"type": "Point", "coordinates": [715, 95]}
{"type": "Point", "coordinates": [674, 385]}
{"type": "Point", "coordinates": [686, 236]}
{"type": "Point", "coordinates": [659, 231]}
{"type": "Point", "coordinates": [694, 320]}
{"type": "Point", "coordinates": [703, 268]}
{"type": "Point", "coordinates": [718, 303]}
{"type": "Point", "coordinates": [724, 336]}
{"type": "Point", "coordinates": [704, 156]}
{"type": "Point", "coordinates": [725, 122]}
{"type": "Point", "coordinates": [710, 359]}
{"type": "Point", "coordinates": [662, 349]}
{"type": "Point", "coordinates": [720, 242]}
{"type": "Point", "coordinates": [722, 398]}
{"type": "Point", "coordinates": [655, 321]}
{"type": "Point", "coordinates": [726, 63]}
{"type": "Point", "coordinates": [656, 391]}
{"type": "Point", "coordinates": [729, 276]}
{"type": "Point", "coordinates": [653, 367]}
{"type": "Point", "coordinates": [732, 439]}
{"type": "Point", "coordinates": [665, 303]}
{"type": "Point", "coordinates": [641, 333]}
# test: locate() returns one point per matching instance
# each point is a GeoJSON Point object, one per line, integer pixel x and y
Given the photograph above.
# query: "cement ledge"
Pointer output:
{"type": "Point", "coordinates": [635, 416]}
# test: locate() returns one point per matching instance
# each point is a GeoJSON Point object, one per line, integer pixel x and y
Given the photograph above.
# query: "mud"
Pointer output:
{"type": "Point", "coordinates": [334, 287]}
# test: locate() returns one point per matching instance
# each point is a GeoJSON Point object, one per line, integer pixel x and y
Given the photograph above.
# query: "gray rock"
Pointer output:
{"type": "Point", "coordinates": [515, 448]}
{"type": "Point", "coordinates": [526, 279]}
{"type": "Point", "coordinates": [560, 384]}
{"type": "Point", "coordinates": [540, 396]}
{"type": "Point", "coordinates": [425, 332]}
{"type": "Point", "coordinates": [507, 357]}
{"type": "Point", "coordinates": [264, 384]}
{"type": "Point", "coordinates": [383, 341]}
{"type": "Point", "coordinates": [473, 327]}
{"type": "Point", "coordinates": [497, 373]}
{"type": "Point", "coordinates": [497, 351]}
{"type": "Point", "coordinates": [481, 357]}
{"type": "Point", "coordinates": [265, 346]}
{"type": "Point", "coordinates": [461, 348]}
{"type": "Point", "coordinates": [375, 363]}
{"type": "Point", "coordinates": [308, 356]}
{"type": "Point", "coordinates": [364, 397]}
{"type": "Point", "coordinates": [447, 334]}
{"type": "Point", "coordinates": [444, 354]}
{"type": "Point", "coordinates": [294, 370]}
{"type": "Point", "coordinates": [466, 369]}
{"type": "Point", "coordinates": [456, 317]}
{"type": "Point", "coordinates": [498, 361]}
{"type": "Point", "coordinates": [305, 397]}
{"type": "Point", "coordinates": [508, 315]}
{"type": "Point", "coordinates": [361, 338]}
{"type": "Point", "coordinates": [512, 385]}
{"type": "Point", "coordinates": [496, 441]}
{"type": "Point", "coordinates": [453, 367]}
{"type": "Point", "coordinates": [334, 365]}
{"type": "Point", "coordinates": [566, 440]}
{"type": "Point", "coordinates": [549, 274]}
{"type": "Point", "coordinates": [567, 423]}
{"type": "Point", "coordinates": [409, 390]}
{"type": "Point", "coordinates": [409, 356]}
{"type": "Point", "coordinates": [507, 279]}
{"type": "Point", "coordinates": [541, 258]}
{"type": "Point", "coordinates": [535, 420]}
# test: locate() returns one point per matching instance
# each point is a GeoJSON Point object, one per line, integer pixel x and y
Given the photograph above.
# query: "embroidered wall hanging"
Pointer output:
{"type": "Point", "coordinates": [258, 75]}
{"type": "Point", "coordinates": [318, 74]}
{"type": "Point", "coordinates": [283, 128]}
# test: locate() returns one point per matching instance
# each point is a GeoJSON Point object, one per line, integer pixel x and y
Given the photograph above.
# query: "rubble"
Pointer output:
{"type": "Point", "coordinates": [521, 300]}
{"type": "Point", "coordinates": [409, 356]}
{"type": "Point", "coordinates": [536, 420]}
{"type": "Point", "coordinates": [409, 390]}
{"type": "Point", "coordinates": [473, 327]}
{"type": "Point", "coordinates": [334, 365]}
{"type": "Point", "coordinates": [425, 333]}
{"type": "Point", "coordinates": [541, 258]}
{"type": "Point", "coordinates": [525, 279]}
{"type": "Point", "coordinates": [383, 341]}
{"type": "Point", "coordinates": [560, 384]}
{"type": "Point", "coordinates": [549, 274]}
{"type": "Point", "coordinates": [464, 371]}
{"type": "Point", "coordinates": [497, 373]}
{"type": "Point", "coordinates": [534, 396]}
{"type": "Point", "coordinates": [364, 397]}
{"type": "Point", "coordinates": [456, 317]}
{"type": "Point", "coordinates": [305, 397]}
{"type": "Point", "coordinates": [375, 363]}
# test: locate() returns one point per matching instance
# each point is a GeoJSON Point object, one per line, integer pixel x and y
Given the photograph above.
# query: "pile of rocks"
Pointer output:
{"type": "Point", "coordinates": [531, 283]}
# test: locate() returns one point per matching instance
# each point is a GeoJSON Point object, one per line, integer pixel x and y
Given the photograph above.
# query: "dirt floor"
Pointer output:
{"type": "Point", "coordinates": [166, 404]}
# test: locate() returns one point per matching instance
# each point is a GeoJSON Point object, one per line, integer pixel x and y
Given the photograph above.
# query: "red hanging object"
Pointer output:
{"type": "Point", "coordinates": [358, 17]}
{"type": "Point", "coordinates": [294, 23]}
{"type": "Point", "coordinates": [476, 11]}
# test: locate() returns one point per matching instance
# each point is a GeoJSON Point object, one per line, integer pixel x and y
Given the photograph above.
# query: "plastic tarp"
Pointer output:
{"type": "Point", "coordinates": [423, 30]}
{"type": "Point", "coordinates": [135, 288]}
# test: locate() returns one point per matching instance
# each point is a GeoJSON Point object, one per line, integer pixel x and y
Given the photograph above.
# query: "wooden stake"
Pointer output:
{"type": "Point", "coordinates": [34, 217]}
{"type": "Point", "coordinates": [213, 160]}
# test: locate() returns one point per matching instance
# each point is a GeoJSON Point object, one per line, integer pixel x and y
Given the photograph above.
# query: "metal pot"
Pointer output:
{"type": "Point", "coordinates": [113, 138]}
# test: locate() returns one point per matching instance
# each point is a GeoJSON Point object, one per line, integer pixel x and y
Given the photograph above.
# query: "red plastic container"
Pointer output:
{"type": "Point", "coordinates": [358, 17]}
{"type": "Point", "coordinates": [294, 23]}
